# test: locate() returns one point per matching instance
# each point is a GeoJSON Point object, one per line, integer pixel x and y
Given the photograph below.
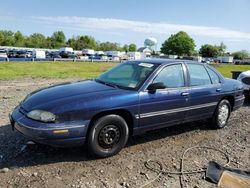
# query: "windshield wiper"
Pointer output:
{"type": "Point", "coordinates": [106, 83]}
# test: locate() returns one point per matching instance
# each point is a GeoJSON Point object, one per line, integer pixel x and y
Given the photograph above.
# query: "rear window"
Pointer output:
{"type": "Point", "coordinates": [214, 77]}
{"type": "Point", "coordinates": [198, 75]}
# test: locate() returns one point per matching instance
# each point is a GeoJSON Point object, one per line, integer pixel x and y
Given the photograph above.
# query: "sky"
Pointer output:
{"type": "Point", "coordinates": [132, 21]}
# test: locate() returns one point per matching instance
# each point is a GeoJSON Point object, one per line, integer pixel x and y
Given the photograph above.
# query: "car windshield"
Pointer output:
{"type": "Point", "coordinates": [127, 75]}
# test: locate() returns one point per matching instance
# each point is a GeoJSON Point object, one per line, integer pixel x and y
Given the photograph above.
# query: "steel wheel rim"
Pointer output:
{"type": "Point", "coordinates": [109, 136]}
{"type": "Point", "coordinates": [223, 114]}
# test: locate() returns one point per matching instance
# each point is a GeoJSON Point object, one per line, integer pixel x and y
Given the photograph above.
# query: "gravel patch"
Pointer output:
{"type": "Point", "coordinates": [24, 164]}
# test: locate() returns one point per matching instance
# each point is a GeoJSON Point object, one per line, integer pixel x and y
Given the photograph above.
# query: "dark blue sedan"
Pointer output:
{"type": "Point", "coordinates": [129, 99]}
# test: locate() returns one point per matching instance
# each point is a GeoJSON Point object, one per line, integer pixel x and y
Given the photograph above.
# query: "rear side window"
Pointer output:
{"type": "Point", "coordinates": [198, 75]}
{"type": "Point", "coordinates": [171, 76]}
{"type": "Point", "coordinates": [214, 77]}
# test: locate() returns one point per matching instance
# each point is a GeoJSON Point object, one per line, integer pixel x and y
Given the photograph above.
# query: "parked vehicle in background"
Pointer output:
{"type": "Point", "coordinates": [66, 54]}
{"type": "Point", "coordinates": [66, 49]}
{"type": "Point", "coordinates": [3, 53]}
{"type": "Point", "coordinates": [39, 54]}
{"type": "Point", "coordinates": [244, 77]}
{"type": "Point", "coordinates": [29, 53]}
{"type": "Point", "coordinates": [88, 52]}
{"type": "Point", "coordinates": [83, 57]}
{"type": "Point", "coordinates": [12, 53]}
{"type": "Point", "coordinates": [130, 99]}
{"type": "Point", "coordinates": [55, 54]}
{"type": "Point", "coordinates": [21, 54]}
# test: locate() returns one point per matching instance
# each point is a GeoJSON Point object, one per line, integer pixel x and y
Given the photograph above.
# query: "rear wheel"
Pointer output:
{"type": "Point", "coordinates": [108, 136]}
{"type": "Point", "coordinates": [222, 114]}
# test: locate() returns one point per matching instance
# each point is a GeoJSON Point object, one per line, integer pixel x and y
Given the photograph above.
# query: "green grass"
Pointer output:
{"type": "Point", "coordinates": [225, 69]}
{"type": "Point", "coordinates": [15, 70]}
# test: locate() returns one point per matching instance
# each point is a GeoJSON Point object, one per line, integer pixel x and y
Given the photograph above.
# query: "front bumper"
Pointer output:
{"type": "Point", "coordinates": [66, 134]}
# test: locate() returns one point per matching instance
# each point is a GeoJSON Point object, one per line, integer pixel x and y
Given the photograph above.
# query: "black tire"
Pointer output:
{"type": "Point", "coordinates": [221, 114]}
{"type": "Point", "coordinates": [107, 136]}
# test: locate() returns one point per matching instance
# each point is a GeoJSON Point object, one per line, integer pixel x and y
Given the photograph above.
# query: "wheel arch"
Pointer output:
{"type": "Point", "coordinates": [125, 114]}
{"type": "Point", "coordinates": [231, 100]}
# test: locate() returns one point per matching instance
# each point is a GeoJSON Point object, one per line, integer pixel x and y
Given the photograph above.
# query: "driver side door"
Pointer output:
{"type": "Point", "coordinates": [168, 106]}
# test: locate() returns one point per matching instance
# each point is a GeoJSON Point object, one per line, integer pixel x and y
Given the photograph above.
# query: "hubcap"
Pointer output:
{"type": "Point", "coordinates": [223, 114]}
{"type": "Point", "coordinates": [109, 136]}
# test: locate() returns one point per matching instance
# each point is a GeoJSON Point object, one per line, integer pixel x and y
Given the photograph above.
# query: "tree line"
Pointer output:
{"type": "Point", "coordinates": [58, 40]}
{"type": "Point", "coordinates": [180, 44]}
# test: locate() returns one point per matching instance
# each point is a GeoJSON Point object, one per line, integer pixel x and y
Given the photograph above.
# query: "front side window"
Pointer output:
{"type": "Point", "coordinates": [171, 76]}
{"type": "Point", "coordinates": [128, 75]}
{"type": "Point", "coordinates": [198, 75]}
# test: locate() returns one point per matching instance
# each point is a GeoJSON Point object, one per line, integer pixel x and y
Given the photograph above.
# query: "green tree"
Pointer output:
{"type": "Point", "coordinates": [58, 39]}
{"type": "Point", "coordinates": [178, 44]}
{"type": "Point", "coordinates": [85, 42]}
{"type": "Point", "coordinates": [125, 48]}
{"type": "Point", "coordinates": [109, 46]}
{"type": "Point", "coordinates": [19, 39]}
{"type": "Point", "coordinates": [208, 50]}
{"type": "Point", "coordinates": [222, 49]}
{"type": "Point", "coordinates": [7, 38]}
{"type": "Point", "coordinates": [132, 47]}
{"type": "Point", "coordinates": [36, 40]}
{"type": "Point", "coordinates": [241, 54]}
{"type": "Point", "coordinates": [195, 53]}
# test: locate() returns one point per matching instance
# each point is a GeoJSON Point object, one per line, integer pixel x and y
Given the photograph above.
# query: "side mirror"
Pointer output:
{"type": "Point", "coordinates": [154, 86]}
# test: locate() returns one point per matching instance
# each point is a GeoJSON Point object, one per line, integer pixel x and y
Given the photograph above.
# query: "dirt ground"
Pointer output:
{"type": "Point", "coordinates": [26, 165]}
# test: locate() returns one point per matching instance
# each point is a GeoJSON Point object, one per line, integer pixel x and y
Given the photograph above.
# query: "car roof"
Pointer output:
{"type": "Point", "coordinates": [163, 61]}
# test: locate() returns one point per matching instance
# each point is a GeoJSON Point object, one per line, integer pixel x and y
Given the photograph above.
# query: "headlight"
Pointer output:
{"type": "Point", "coordinates": [41, 115]}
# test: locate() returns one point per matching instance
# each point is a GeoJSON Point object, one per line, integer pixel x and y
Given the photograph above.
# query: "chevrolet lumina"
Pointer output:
{"type": "Point", "coordinates": [129, 99]}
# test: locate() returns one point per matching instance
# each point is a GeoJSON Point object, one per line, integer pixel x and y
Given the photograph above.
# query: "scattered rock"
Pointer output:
{"type": "Point", "coordinates": [124, 184]}
{"type": "Point", "coordinates": [7, 97]}
{"type": "Point", "coordinates": [35, 174]}
{"type": "Point", "coordinates": [5, 170]}
{"type": "Point", "coordinates": [130, 166]}
{"type": "Point", "coordinates": [174, 165]}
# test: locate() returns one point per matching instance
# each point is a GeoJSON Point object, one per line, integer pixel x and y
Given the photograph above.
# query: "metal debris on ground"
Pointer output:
{"type": "Point", "coordinates": [157, 166]}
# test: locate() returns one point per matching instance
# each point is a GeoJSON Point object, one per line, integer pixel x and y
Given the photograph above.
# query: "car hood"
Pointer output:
{"type": "Point", "coordinates": [61, 91]}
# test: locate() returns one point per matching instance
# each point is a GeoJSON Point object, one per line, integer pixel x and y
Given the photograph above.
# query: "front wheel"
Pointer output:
{"type": "Point", "coordinates": [108, 136]}
{"type": "Point", "coordinates": [222, 114]}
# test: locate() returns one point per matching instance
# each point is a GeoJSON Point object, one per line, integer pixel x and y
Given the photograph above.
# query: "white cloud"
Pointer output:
{"type": "Point", "coordinates": [123, 26]}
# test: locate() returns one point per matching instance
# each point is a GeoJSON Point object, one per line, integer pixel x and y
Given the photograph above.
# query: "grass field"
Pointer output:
{"type": "Point", "coordinates": [16, 70]}
{"type": "Point", "coordinates": [86, 70]}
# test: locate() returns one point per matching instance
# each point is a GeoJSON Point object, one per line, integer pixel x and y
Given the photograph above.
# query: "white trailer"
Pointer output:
{"type": "Point", "coordinates": [226, 59]}
{"type": "Point", "coordinates": [66, 49]}
{"type": "Point", "coordinates": [39, 54]}
{"type": "Point", "coordinates": [134, 55]}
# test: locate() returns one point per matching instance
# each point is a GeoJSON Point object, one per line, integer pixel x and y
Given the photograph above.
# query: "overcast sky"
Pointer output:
{"type": "Point", "coordinates": [130, 21]}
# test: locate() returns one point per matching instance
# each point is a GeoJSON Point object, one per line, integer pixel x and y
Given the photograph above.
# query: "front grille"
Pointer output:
{"type": "Point", "coordinates": [246, 80]}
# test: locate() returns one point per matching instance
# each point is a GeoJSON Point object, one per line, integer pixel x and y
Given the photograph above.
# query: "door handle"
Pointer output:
{"type": "Point", "coordinates": [218, 90]}
{"type": "Point", "coordinates": [184, 94]}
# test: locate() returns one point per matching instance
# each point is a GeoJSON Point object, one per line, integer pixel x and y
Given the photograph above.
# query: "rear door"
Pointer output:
{"type": "Point", "coordinates": [166, 106]}
{"type": "Point", "coordinates": [204, 93]}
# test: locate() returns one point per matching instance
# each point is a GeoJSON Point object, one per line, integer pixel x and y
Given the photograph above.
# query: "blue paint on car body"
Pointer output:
{"type": "Point", "coordinates": [77, 104]}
